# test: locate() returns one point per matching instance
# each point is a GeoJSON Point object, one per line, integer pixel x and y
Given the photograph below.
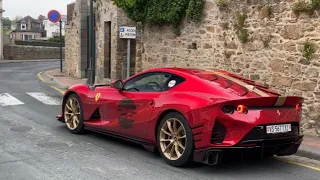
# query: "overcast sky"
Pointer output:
{"type": "Point", "coordinates": [33, 8]}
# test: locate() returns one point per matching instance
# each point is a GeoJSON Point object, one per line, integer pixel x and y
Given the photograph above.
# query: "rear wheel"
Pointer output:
{"type": "Point", "coordinates": [175, 140]}
{"type": "Point", "coordinates": [73, 115]}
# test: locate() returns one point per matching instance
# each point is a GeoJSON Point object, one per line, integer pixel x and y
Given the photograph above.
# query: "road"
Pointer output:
{"type": "Point", "coordinates": [33, 145]}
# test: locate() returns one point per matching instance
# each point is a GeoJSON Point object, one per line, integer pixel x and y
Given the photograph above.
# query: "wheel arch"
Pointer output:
{"type": "Point", "coordinates": [65, 97]}
{"type": "Point", "coordinates": [162, 115]}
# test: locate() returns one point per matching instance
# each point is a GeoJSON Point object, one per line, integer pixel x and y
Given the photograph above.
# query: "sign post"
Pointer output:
{"type": "Point", "coordinates": [54, 16]}
{"type": "Point", "coordinates": [128, 33]}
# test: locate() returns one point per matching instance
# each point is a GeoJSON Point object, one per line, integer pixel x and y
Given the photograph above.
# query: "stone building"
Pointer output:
{"type": "Point", "coordinates": [273, 53]}
{"type": "Point", "coordinates": [27, 29]}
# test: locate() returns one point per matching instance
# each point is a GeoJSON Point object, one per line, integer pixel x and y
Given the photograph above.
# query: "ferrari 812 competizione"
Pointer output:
{"type": "Point", "coordinates": [189, 115]}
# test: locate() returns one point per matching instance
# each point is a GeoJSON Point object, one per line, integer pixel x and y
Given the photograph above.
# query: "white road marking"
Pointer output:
{"type": "Point", "coordinates": [8, 100]}
{"type": "Point", "coordinates": [44, 98]}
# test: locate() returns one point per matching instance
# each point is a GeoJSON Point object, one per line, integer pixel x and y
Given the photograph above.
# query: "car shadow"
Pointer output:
{"type": "Point", "coordinates": [268, 168]}
{"type": "Point", "coordinates": [230, 166]}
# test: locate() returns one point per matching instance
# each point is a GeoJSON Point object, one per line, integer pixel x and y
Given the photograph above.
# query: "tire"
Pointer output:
{"type": "Point", "coordinates": [186, 157]}
{"type": "Point", "coordinates": [79, 128]}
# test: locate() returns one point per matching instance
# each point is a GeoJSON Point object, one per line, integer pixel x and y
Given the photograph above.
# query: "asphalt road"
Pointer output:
{"type": "Point", "coordinates": [33, 145]}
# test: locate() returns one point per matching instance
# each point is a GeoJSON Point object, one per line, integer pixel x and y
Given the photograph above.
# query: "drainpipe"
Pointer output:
{"type": "Point", "coordinates": [91, 69]}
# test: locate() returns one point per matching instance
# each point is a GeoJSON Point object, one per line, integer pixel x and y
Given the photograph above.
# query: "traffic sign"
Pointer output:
{"type": "Point", "coordinates": [54, 16]}
{"type": "Point", "coordinates": [127, 32]}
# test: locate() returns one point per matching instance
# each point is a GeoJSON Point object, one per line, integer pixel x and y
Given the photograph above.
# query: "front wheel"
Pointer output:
{"type": "Point", "coordinates": [73, 114]}
{"type": "Point", "coordinates": [175, 140]}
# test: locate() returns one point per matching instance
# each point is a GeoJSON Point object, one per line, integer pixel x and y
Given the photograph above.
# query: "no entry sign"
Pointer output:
{"type": "Point", "coordinates": [54, 16]}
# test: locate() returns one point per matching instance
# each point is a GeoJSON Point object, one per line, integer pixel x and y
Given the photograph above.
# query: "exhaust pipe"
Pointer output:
{"type": "Point", "coordinates": [212, 157]}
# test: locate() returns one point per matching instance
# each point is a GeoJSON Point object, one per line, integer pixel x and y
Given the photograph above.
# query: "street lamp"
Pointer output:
{"type": "Point", "coordinates": [91, 60]}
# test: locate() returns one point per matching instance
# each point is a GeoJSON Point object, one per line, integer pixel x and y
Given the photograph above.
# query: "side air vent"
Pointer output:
{"type": "Point", "coordinates": [95, 115]}
{"type": "Point", "coordinates": [218, 133]}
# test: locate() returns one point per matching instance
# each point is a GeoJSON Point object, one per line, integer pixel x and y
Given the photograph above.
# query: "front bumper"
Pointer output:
{"type": "Point", "coordinates": [261, 148]}
{"type": "Point", "coordinates": [59, 117]}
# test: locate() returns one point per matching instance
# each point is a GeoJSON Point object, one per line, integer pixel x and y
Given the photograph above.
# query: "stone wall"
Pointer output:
{"type": "Point", "coordinates": [272, 55]}
{"type": "Point", "coordinates": [76, 40]}
{"type": "Point", "coordinates": [39, 43]}
{"type": "Point", "coordinates": [112, 14]}
{"type": "Point", "coordinates": [16, 52]}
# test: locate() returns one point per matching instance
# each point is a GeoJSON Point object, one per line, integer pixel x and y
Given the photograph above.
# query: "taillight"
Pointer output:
{"type": "Point", "coordinates": [242, 109]}
{"type": "Point", "coordinates": [229, 109]}
{"type": "Point", "coordinates": [298, 107]}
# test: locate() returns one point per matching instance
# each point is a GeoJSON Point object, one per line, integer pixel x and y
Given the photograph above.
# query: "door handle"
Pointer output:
{"type": "Point", "coordinates": [151, 103]}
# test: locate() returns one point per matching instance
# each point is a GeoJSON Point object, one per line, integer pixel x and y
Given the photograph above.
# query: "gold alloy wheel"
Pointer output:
{"type": "Point", "coordinates": [173, 139]}
{"type": "Point", "coordinates": [72, 113]}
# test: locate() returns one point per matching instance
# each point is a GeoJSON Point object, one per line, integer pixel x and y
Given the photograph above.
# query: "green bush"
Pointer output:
{"type": "Point", "coordinates": [243, 35]}
{"type": "Point", "coordinates": [302, 6]}
{"type": "Point", "coordinates": [306, 6]}
{"type": "Point", "coordinates": [56, 39]}
{"type": "Point", "coordinates": [162, 12]}
{"type": "Point", "coordinates": [222, 4]}
{"type": "Point", "coordinates": [315, 4]}
{"type": "Point", "coordinates": [308, 51]}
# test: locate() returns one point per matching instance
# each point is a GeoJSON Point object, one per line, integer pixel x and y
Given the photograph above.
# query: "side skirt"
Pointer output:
{"type": "Point", "coordinates": [146, 144]}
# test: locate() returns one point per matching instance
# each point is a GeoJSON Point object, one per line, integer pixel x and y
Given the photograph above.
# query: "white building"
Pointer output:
{"type": "Point", "coordinates": [1, 31]}
{"type": "Point", "coordinates": [53, 29]}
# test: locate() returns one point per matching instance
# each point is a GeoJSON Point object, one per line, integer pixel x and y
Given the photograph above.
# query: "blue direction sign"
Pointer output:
{"type": "Point", "coordinates": [54, 16]}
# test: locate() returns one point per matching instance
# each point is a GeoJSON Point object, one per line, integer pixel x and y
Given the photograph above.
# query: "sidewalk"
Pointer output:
{"type": "Point", "coordinates": [63, 79]}
{"type": "Point", "coordinates": [310, 147]}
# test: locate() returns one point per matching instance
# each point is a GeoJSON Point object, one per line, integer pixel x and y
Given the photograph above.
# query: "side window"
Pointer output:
{"type": "Point", "coordinates": [151, 82]}
{"type": "Point", "coordinates": [172, 82]}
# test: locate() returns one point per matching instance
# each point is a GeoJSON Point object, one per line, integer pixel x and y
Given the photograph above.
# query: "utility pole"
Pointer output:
{"type": "Point", "coordinates": [60, 45]}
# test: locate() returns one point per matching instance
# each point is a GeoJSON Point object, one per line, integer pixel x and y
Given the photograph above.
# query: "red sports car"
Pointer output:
{"type": "Point", "coordinates": [189, 115]}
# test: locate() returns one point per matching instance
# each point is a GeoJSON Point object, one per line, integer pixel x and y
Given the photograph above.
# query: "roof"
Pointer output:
{"type": "Point", "coordinates": [185, 71]}
{"type": "Point", "coordinates": [221, 78]}
{"type": "Point", "coordinates": [29, 17]}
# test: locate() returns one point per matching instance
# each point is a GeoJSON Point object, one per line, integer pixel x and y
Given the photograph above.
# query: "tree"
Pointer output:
{"type": "Point", "coordinates": [18, 18]}
{"type": "Point", "coordinates": [7, 22]}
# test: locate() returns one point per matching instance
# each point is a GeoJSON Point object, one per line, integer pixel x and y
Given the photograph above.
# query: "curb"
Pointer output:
{"type": "Point", "coordinates": [55, 80]}
{"type": "Point", "coordinates": [308, 153]}
{"type": "Point", "coordinates": [23, 61]}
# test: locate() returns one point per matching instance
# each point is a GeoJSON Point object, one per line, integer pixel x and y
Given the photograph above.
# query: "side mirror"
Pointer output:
{"type": "Point", "coordinates": [117, 84]}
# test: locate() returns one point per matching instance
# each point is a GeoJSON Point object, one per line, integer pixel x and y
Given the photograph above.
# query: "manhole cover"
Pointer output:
{"type": "Point", "coordinates": [21, 129]}
{"type": "Point", "coordinates": [52, 145]}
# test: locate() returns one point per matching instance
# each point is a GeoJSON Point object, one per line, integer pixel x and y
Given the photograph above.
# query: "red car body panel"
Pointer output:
{"type": "Point", "coordinates": [200, 98]}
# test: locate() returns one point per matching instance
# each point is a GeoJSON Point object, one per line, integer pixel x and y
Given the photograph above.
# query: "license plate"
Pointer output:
{"type": "Point", "coordinates": [281, 128]}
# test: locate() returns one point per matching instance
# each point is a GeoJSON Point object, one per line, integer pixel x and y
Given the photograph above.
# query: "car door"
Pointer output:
{"type": "Point", "coordinates": [135, 103]}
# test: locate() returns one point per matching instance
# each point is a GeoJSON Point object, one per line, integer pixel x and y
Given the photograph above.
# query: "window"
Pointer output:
{"type": "Point", "coordinates": [23, 26]}
{"type": "Point", "coordinates": [173, 82]}
{"type": "Point", "coordinates": [27, 37]}
{"type": "Point", "coordinates": [150, 82]}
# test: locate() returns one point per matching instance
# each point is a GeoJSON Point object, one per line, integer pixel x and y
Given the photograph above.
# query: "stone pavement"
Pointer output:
{"type": "Point", "coordinates": [309, 148]}
{"type": "Point", "coordinates": [62, 78]}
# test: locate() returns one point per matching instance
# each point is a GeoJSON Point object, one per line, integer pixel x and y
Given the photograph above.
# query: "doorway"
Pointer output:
{"type": "Point", "coordinates": [107, 49]}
